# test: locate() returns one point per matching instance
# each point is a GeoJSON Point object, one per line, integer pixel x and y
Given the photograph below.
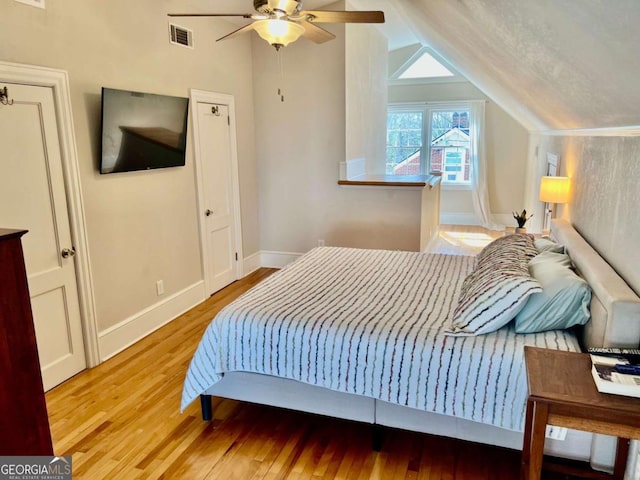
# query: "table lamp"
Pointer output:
{"type": "Point", "coordinates": [553, 190]}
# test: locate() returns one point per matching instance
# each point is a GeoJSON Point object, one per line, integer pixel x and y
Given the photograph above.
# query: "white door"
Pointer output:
{"type": "Point", "coordinates": [214, 150]}
{"type": "Point", "coordinates": [33, 197]}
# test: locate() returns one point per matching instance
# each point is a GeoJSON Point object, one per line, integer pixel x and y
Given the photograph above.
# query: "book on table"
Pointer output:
{"type": "Point", "coordinates": [616, 371]}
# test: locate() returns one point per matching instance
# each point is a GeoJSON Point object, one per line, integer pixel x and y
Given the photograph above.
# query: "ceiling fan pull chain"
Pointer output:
{"type": "Point", "coordinates": [280, 58]}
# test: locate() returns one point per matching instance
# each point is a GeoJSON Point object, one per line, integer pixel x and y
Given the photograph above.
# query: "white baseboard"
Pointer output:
{"type": "Point", "coordinates": [115, 339]}
{"type": "Point", "coordinates": [470, 218]}
{"type": "Point", "coordinates": [277, 259]}
{"type": "Point", "coordinates": [505, 219]}
{"type": "Point", "coordinates": [432, 240]}
{"type": "Point", "coordinates": [458, 218]}
{"type": "Point", "coordinates": [251, 263]}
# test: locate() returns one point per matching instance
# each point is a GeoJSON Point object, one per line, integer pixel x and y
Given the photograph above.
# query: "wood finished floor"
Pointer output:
{"type": "Point", "coordinates": [121, 420]}
{"type": "Point", "coordinates": [462, 239]}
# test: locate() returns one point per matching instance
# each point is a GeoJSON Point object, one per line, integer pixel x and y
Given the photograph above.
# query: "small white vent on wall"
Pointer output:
{"type": "Point", "coordinates": [180, 36]}
{"type": "Point", "coordinates": [33, 3]}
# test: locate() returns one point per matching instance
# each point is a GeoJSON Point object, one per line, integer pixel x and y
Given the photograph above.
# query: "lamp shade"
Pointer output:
{"type": "Point", "coordinates": [554, 189]}
{"type": "Point", "coordinates": [278, 32]}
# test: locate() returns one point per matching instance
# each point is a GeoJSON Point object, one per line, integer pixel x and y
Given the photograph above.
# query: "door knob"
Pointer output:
{"type": "Point", "coordinates": [208, 212]}
{"type": "Point", "coordinates": [68, 252]}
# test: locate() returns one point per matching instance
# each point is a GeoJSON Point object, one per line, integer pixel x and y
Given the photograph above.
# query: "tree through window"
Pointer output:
{"type": "Point", "coordinates": [405, 138]}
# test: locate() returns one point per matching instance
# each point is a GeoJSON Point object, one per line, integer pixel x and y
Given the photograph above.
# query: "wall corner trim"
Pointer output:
{"type": "Point", "coordinates": [627, 131]}
{"type": "Point", "coordinates": [251, 263]}
{"type": "Point", "coordinates": [115, 339]}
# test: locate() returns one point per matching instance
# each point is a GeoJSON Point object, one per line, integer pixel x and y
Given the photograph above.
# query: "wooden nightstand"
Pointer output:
{"type": "Point", "coordinates": [563, 393]}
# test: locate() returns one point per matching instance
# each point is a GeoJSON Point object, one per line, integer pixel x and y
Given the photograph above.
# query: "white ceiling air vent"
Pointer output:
{"type": "Point", "coordinates": [180, 36]}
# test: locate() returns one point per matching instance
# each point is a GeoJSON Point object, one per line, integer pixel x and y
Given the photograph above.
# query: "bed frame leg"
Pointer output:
{"type": "Point", "coordinates": [207, 407]}
{"type": "Point", "coordinates": [377, 437]}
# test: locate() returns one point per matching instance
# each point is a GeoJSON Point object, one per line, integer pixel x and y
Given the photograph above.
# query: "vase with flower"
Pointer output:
{"type": "Point", "coordinates": [522, 219]}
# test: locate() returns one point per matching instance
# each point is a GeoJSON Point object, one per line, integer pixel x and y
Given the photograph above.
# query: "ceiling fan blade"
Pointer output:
{"type": "Point", "coordinates": [315, 33]}
{"type": "Point", "coordinates": [327, 16]}
{"type": "Point", "coordinates": [244, 29]}
{"type": "Point", "coordinates": [243, 15]}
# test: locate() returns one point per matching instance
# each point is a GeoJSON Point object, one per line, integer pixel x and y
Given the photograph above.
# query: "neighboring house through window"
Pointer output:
{"type": "Point", "coordinates": [430, 138]}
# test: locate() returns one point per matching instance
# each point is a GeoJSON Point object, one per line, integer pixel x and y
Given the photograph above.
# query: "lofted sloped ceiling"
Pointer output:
{"type": "Point", "coordinates": [552, 64]}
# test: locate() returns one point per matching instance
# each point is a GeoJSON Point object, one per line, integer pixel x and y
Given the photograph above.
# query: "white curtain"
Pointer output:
{"type": "Point", "coordinates": [479, 188]}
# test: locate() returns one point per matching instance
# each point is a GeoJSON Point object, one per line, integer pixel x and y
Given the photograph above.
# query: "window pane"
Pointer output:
{"type": "Point", "coordinates": [404, 142]}
{"type": "Point", "coordinates": [450, 143]}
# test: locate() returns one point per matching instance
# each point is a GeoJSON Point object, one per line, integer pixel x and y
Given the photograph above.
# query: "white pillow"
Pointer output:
{"type": "Point", "coordinates": [545, 244]}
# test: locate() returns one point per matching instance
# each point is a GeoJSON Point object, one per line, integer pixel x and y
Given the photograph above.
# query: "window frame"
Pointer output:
{"type": "Point", "coordinates": [427, 110]}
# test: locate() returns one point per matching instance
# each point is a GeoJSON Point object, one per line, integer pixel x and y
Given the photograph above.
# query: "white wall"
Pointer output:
{"type": "Point", "coordinates": [605, 174]}
{"type": "Point", "coordinates": [366, 78]}
{"type": "Point", "coordinates": [300, 144]}
{"type": "Point", "coordinates": [142, 226]}
{"type": "Point", "coordinates": [506, 149]}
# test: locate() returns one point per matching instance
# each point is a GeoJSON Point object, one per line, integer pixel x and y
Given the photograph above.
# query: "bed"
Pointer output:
{"type": "Point", "coordinates": [366, 335]}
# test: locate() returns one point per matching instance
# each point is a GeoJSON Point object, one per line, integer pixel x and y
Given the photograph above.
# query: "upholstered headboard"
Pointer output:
{"type": "Point", "coordinates": [615, 308]}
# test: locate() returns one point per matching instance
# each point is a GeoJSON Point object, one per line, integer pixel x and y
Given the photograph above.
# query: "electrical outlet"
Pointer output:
{"type": "Point", "coordinates": [556, 433]}
{"type": "Point", "coordinates": [320, 242]}
{"type": "Point", "coordinates": [159, 287]}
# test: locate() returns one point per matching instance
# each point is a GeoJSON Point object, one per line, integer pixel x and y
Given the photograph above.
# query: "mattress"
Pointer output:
{"type": "Point", "coordinates": [372, 323]}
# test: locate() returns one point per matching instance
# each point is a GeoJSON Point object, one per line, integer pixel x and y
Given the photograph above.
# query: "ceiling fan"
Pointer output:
{"type": "Point", "coordinates": [281, 22]}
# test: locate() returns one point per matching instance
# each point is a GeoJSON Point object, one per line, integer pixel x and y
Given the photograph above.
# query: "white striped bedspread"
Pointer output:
{"type": "Point", "coordinates": [372, 322]}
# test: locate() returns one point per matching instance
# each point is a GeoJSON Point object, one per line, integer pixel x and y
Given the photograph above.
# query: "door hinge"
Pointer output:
{"type": "Point", "coordinates": [228, 121]}
{"type": "Point", "coordinates": [236, 256]}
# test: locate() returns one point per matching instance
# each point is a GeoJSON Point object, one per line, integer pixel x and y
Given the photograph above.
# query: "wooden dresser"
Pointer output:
{"type": "Point", "coordinates": [24, 425]}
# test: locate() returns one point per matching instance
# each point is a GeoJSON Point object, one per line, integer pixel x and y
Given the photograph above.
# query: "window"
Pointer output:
{"type": "Point", "coordinates": [450, 144]}
{"type": "Point", "coordinates": [453, 163]}
{"type": "Point", "coordinates": [405, 139]}
{"type": "Point", "coordinates": [430, 138]}
{"type": "Point", "coordinates": [425, 66]}
{"type": "Point", "coordinates": [420, 65]}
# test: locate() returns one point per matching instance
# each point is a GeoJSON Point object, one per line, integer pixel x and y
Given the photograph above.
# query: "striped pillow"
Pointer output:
{"type": "Point", "coordinates": [518, 244]}
{"type": "Point", "coordinates": [496, 290]}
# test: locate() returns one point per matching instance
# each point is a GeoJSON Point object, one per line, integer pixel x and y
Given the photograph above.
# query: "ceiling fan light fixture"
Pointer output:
{"type": "Point", "coordinates": [278, 32]}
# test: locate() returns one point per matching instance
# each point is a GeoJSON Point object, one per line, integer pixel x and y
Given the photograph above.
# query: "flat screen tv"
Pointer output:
{"type": "Point", "coordinates": [141, 131]}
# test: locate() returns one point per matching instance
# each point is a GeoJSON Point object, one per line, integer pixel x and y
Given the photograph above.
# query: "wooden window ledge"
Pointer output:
{"type": "Point", "coordinates": [393, 181]}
